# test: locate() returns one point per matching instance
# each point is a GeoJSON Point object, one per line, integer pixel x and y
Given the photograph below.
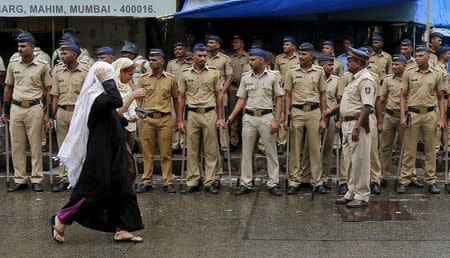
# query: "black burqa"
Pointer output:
{"type": "Point", "coordinates": [105, 181]}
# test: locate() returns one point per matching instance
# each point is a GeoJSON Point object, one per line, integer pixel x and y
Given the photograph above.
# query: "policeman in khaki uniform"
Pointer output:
{"type": "Point", "coordinates": [201, 88]}
{"type": "Point", "coordinates": [174, 67]}
{"type": "Point", "coordinates": [380, 58]}
{"type": "Point", "coordinates": [156, 129]}
{"type": "Point", "coordinates": [67, 81]}
{"type": "Point", "coordinates": [328, 49]}
{"type": "Point", "coordinates": [130, 50]}
{"type": "Point", "coordinates": [422, 90]}
{"type": "Point", "coordinates": [406, 49]}
{"type": "Point", "coordinates": [357, 100]}
{"type": "Point", "coordinates": [27, 81]}
{"type": "Point", "coordinates": [305, 100]}
{"type": "Point", "coordinates": [258, 91]}
{"type": "Point", "coordinates": [223, 63]}
{"type": "Point", "coordinates": [436, 40]}
{"type": "Point", "coordinates": [283, 62]}
{"type": "Point", "coordinates": [442, 65]}
{"type": "Point", "coordinates": [69, 35]}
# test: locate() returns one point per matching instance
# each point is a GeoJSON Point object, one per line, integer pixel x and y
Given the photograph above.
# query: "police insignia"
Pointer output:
{"type": "Point", "coordinates": [367, 90]}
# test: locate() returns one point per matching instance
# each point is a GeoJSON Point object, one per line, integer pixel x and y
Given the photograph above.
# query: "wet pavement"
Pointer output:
{"type": "Point", "coordinates": [255, 225]}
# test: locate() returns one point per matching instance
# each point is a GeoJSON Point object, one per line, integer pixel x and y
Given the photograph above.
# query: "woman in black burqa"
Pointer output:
{"type": "Point", "coordinates": [103, 197]}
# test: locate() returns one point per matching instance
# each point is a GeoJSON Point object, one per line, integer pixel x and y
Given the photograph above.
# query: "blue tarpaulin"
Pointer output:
{"type": "Point", "coordinates": [439, 13]}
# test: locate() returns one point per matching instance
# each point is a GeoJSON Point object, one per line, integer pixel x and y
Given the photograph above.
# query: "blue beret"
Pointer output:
{"type": "Point", "coordinates": [156, 52]}
{"type": "Point", "coordinates": [407, 42]}
{"type": "Point", "coordinates": [422, 48]}
{"type": "Point", "coordinates": [328, 43]}
{"type": "Point", "coordinates": [180, 44]}
{"type": "Point", "coordinates": [324, 58]}
{"type": "Point", "coordinates": [441, 50]}
{"type": "Point", "coordinates": [377, 37]}
{"type": "Point", "coordinates": [306, 47]}
{"type": "Point", "coordinates": [199, 47]}
{"type": "Point", "coordinates": [105, 51]}
{"type": "Point", "coordinates": [290, 39]}
{"type": "Point", "coordinates": [69, 35]}
{"type": "Point", "coordinates": [436, 34]}
{"type": "Point", "coordinates": [258, 52]}
{"type": "Point", "coordinates": [366, 49]}
{"type": "Point", "coordinates": [358, 54]}
{"type": "Point", "coordinates": [26, 37]}
{"type": "Point", "coordinates": [129, 47]}
{"type": "Point", "coordinates": [399, 58]}
{"type": "Point", "coordinates": [69, 45]}
{"type": "Point", "coordinates": [215, 38]}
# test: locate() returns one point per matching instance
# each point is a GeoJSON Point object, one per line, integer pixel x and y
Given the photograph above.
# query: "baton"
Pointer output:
{"type": "Point", "coordinates": [50, 158]}
{"type": "Point", "coordinates": [287, 149]}
{"type": "Point", "coordinates": [7, 151]}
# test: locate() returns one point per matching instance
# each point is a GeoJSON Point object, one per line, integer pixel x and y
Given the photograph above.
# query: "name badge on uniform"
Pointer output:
{"type": "Point", "coordinates": [298, 76]}
{"type": "Point", "coordinates": [282, 63]}
{"type": "Point", "coordinates": [60, 81]}
{"type": "Point", "coordinates": [414, 79]}
{"type": "Point", "coordinates": [367, 90]}
{"type": "Point", "coordinates": [16, 71]}
{"type": "Point", "coordinates": [371, 62]}
{"type": "Point", "coordinates": [189, 80]}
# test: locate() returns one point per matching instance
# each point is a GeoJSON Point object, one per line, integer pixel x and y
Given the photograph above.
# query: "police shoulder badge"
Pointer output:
{"type": "Point", "coordinates": [367, 90]}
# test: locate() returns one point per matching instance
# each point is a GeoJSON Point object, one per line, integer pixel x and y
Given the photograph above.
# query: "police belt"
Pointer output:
{"type": "Point", "coordinates": [350, 118]}
{"type": "Point", "coordinates": [306, 107]}
{"type": "Point", "coordinates": [421, 110]}
{"type": "Point", "coordinates": [26, 103]}
{"type": "Point", "coordinates": [67, 107]}
{"type": "Point", "coordinates": [393, 112]}
{"type": "Point", "coordinates": [156, 115]}
{"type": "Point", "coordinates": [258, 112]}
{"type": "Point", "coordinates": [201, 110]}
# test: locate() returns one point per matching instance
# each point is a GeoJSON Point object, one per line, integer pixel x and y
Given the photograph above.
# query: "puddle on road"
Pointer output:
{"type": "Point", "coordinates": [376, 211]}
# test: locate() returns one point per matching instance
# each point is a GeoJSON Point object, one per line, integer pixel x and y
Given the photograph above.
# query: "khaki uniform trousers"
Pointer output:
{"type": "Point", "coordinates": [202, 126]}
{"type": "Point", "coordinates": [251, 127]}
{"type": "Point", "coordinates": [425, 123]}
{"type": "Point", "coordinates": [234, 127]}
{"type": "Point", "coordinates": [391, 128]}
{"type": "Point", "coordinates": [156, 131]}
{"type": "Point", "coordinates": [375, 165]}
{"type": "Point", "coordinates": [178, 139]}
{"type": "Point", "coordinates": [63, 118]}
{"type": "Point", "coordinates": [357, 155]}
{"type": "Point", "coordinates": [26, 125]}
{"type": "Point", "coordinates": [300, 121]}
{"type": "Point", "coordinates": [222, 131]}
{"type": "Point", "coordinates": [282, 134]}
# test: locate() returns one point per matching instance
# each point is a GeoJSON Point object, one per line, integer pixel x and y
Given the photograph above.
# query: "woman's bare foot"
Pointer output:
{"type": "Point", "coordinates": [58, 230]}
{"type": "Point", "coordinates": [125, 236]}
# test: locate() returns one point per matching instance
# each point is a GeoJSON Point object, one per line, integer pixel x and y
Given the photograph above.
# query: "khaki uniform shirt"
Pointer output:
{"type": "Point", "coordinates": [305, 84]}
{"type": "Point", "coordinates": [2, 65]}
{"type": "Point", "coordinates": [84, 57]}
{"type": "Point", "coordinates": [222, 62]}
{"type": "Point", "coordinates": [346, 78]}
{"type": "Point", "coordinates": [444, 70]}
{"type": "Point", "coordinates": [422, 88]}
{"type": "Point", "coordinates": [411, 63]}
{"type": "Point", "coordinates": [160, 91]}
{"type": "Point", "coordinates": [238, 63]}
{"type": "Point", "coordinates": [67, 84]}
{"type": "Point", "coordinates": [200, 86]}
{"type": "Point", "coordinates": [359, 92]}
{"type": "Point", "coordinates": [332, 89]}
{"type": "Point", "coordinates": [338, 69]}
{"type": "Point", "coordinates": [390, 90]}
{"type": "Point", "coordinates": [38, 53]}
{"type": "Point", "coordinates": [433, 60]}
{"type": "Point", "coordinates": [28, 80]}
{"type": "Point", "coordinates": [283, 63]}
{"type": "Point", "coordinates": [174, 66]}
{"type": "Point", "coordinates": [384, 63]}
{"type": "Point", "coordinates": [260, 91]}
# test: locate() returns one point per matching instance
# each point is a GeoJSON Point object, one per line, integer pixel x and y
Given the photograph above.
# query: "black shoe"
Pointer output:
{"type": "Point", "coordinates": [170, 189]}
{"type": "Point", "coordinates": [305, 186]}
{"type": "Point", "coordinates": [60, 187]}
{"type": "Point", "coordinates": [326, 185]}
{"type": "Point", "coordinates": [143, 188]}
{"type": "Point", "coordinates": [211, 189]}
{"type": "Point", "coordinates": [189, 189]}
{"type": "Point", "coordinates": [434, 189]}
{"type": "Point", "coordinates": [281, 149]}
{"type": "Point", "coordinates": [216, 184]}
{"type": "Point", "coordinates": [37, 187]}
{"type": "Point", "coordinates": [400, 189]}
{"type": "Point", "coordinates": [242, 190]}
{"type": "Point", "coordinates": [321, 189]}
{"type": "Point", "coordinates": [291, 190]}
{"type": "Point", "coordinates": [176, 151]}
{"type": "Point", "coordinates": [233, 147]}
{"type": "Point", "coordinates": [415, 184]}
{"type": "Point", "coordinates": [275, 191]}
{"type": "Point", "coordinates": [384, 183]}
{"type": "Point", "coordinates": [18, 187]}
{"type": "Point", "coordinates": [447, 188]}
{"type": "Point", "coordinates": [375, 189]}
{"type": "Point", "coordinates": [343, 189]}
{"type": "Point", "coordinates": [262, 152]}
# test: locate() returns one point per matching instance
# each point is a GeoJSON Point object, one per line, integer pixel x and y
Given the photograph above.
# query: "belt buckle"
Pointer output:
{"type": "Point", "coordinates": [423, 110]}
{"type": "Point", "coordinates": [157, 115]}
{"type": "Point", "coordinates": [257, 113]}
{"type": "Point", "coordinates": [25, 103]}
{"type": "Point", "coordinates": [396, 113]}
{"type": "Point", "coordinates": [201, 110]}
{"type": "Point", "coordinates": [306, 107]}
{"type": "Point", "coordinates": [70, 108]}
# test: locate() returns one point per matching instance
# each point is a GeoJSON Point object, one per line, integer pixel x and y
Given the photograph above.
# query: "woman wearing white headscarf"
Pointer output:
{"type": "Point", "coordinates": [95, 155]}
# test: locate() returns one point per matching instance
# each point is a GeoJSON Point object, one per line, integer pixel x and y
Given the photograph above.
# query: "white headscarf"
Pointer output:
{"type": "Point", "coordinates": [73, 150]}
{"type": "Point", "coordinates": [125, 89]}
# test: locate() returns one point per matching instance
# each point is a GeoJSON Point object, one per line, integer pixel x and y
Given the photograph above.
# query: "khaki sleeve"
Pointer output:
{"type": "Point", "coordinates": [228, 67]}
{"type": "Point", "coordinates": [55, 86]}
{"type": "Point", "coordinates": [2, 65]}
{"type": "Point", "coordinates": [384, 88]}
{"type": "Point", "coordinates": [169, 68]}
{"type": "Point", "coordinates": [140, 82]}
{"type": "Point", "coordinates": [440, 82]}
{"type": "Point", "coordinates": [242, 93]}
{"type": "Point", "coordinates": [288, 81]}
{"type": "Point", "coordinates": [47, 76]}
{"type": "Point", "coordinates": [389, 65]}
{"type": "Point", "coordinates": [366, 89]}
{"type": "Point", "coordinates": [405, 81]}
{"type": "Point", "coordinates": [217, 82]}
{"type": "Point", "coordinates": [173, 87]}
{"type": "Point", "coordinates": [322, 82]}
{"type": "Point", "coordinates": [278, 87]}
{"type": "Point", "coordinates": [181, 83]}
{"type": "Point", "coordinates": [9, 75]}
{"type": "Point", "coordinates": [341, 86]}
{"type": "Point", "coordinates": [276, 66]}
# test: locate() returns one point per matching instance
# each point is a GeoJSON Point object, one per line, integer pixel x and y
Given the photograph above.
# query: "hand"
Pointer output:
{"type": "Point", "coordinates": [133, 118]}
{"type": "Point", "coordinates": [448, 125]}
{"type": "Point", "coordinates": [139, 93]}
{"type": "Point", "coordinates": [322, 125]}
{"type": "Point", "coordinates": [274, 127]}
{"type": "Point", "coordinates": [230, 119]}
{"type": "Point", "coordinates": [326, 114]}
{"type": "Point", "coordinates": [403, 122]}
{"type": "Point", "coordinates": [338, 126]}
{"type": "Point", "coordinates": [101, 74]}
{"type": "Point", "coordinates": [380, 126]}
{"type": "Point", "coordinates": [286, 124]}
{"type": "Point", "coordinates": [220, 123]}
{"type": "Point", "coordinates": [49, 124]}
{"type": "Point", "coordinates": [181, 128]}
{"type": "Point", "coordinates": [442, 124]}
{"type": "Point", "coordinates": [4, 118]}
{"type": "Point", "coordinates": [355, 135]}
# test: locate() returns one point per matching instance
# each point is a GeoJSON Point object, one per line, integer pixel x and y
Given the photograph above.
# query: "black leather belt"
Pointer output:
{"type": "Point", "coordinates": [350, 118]}
{"type": "Point", "coordinates": [156, 115]}
{"type": "Point", "coordinates": [201, 110]}
{"type": "Point", "coordinates": [371, 111]}
{"type": "Point", "coordinates": [67, 107]}
{"type": "Point", "coordinates": [394, 113]}
{"type": "Point", "coordinates": [258, 113]}
{"type": "Point", "coordinates": [421, 110]}
{"type": "Point", "coordinates": [26, 103]}
{"type": "Point", "coordinates": [306, 107]}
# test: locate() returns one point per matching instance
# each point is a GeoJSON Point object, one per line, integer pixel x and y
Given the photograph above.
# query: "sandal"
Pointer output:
{"type": "Point", "coordinates": [53, 230]}
{"type": "Point", "coordinates": [131, 239]}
